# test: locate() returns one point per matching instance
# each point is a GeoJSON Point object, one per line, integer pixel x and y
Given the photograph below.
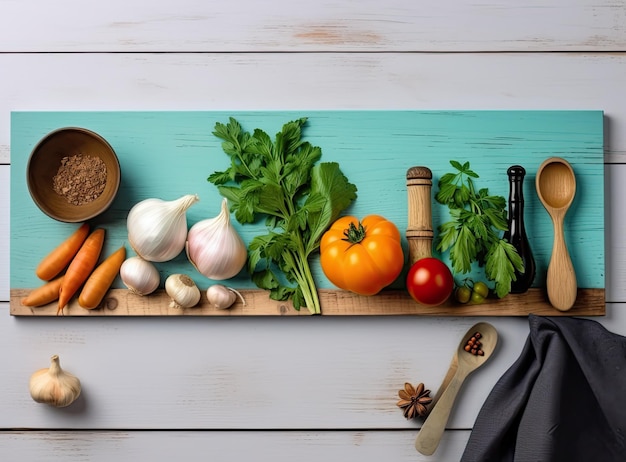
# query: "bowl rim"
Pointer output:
{"type": "Point", "coordinates": [92, 134]}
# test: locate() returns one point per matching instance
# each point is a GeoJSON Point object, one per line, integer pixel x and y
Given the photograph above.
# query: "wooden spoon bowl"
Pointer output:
{"type": "Point", "coordinates": [556, 188]}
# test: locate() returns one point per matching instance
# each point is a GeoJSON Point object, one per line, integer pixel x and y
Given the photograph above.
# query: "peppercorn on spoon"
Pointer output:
{"type": "Point", "coordinates": [462, 365]}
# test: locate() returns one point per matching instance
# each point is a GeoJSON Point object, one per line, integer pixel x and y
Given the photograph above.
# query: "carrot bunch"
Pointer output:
{"type": "Point", "coordinates": [78, 255]}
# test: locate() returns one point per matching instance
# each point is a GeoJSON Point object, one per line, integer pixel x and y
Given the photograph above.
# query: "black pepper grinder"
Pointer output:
{"type": "Point", "coordinates": [516, 233]}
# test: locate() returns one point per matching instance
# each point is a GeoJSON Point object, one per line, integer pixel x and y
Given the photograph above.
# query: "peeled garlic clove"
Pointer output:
{"type": "Point", "coordinates": [54, 386]}
{"type": "Point", "coordinates": [140, 276]}
{"type": "Point", "coordinates": [222, 297]}
{"type": "Point", "coordinates": [215, 248]}
{"type": "Point", "coordinates": [157, 229]}
{"type": "Point", "coordinates": [183, 291]}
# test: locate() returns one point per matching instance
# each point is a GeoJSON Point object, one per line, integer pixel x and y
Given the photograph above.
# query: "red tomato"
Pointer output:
{"type": "Point", "coordinates": [430, 281]}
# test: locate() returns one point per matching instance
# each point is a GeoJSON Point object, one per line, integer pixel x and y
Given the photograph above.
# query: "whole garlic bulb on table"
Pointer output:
{"type": "Point", "coordinates": [54, 386]}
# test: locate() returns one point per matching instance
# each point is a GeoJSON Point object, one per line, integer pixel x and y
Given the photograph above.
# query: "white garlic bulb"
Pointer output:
{"type": "Point", "coordinates": [215, 248]}
{"type": "Point", "coordinates": [183, 291]}
{"type": "Point", "coordinates": [54, 386]}
{"type": "Point", "coordinates": [222, 297]}
{"type": "Point", "coordinates": [140, 276]}
{"type": "Point", "coordinates": [157, 229]}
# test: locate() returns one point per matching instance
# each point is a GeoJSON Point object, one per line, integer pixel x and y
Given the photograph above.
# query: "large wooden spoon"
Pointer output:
{"type": "Point", "coordinates": [463, 364]}
{"type": "Point", "coordinates": [556, 188]}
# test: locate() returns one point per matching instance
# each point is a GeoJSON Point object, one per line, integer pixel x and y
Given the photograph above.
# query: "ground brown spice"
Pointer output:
{"type": "Point", "coordinates": [80, 179]}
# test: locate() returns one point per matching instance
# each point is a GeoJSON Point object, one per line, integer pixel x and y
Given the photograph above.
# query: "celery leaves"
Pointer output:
{"type": "Point", "coordinates": [299, 197]}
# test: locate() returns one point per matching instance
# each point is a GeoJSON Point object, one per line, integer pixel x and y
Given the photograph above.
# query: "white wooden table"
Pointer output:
{"type": "Point", "coordinates": [299, 388]}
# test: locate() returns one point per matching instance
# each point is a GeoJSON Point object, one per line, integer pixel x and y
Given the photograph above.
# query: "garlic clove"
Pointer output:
{"type": "Point", "coordinates": [140, 276]}
{"type": "Point", "coordinates": [157, 229]}
{"type": "Point", "coordinates": [54, 386]}
{"type": "Point", "coordinates": [215, 248]}
{"type": "Point", "coordinates": [183, 291]}
{"type": "Point", "coordinates": [222, 297]}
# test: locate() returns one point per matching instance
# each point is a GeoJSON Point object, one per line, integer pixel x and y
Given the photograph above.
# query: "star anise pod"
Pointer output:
{"type": "Point", "coordinates": [413, 400]}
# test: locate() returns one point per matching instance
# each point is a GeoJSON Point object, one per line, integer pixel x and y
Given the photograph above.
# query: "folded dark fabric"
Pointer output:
{"type": "Point", "coordinates": [564, 399]}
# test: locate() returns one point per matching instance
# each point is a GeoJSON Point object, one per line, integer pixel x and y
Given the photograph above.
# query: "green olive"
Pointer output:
{"type": "Point", "coordinates": [463, 294]}
{"type": "Point", "coordinates": [476, 298]}
{"type": "Point", "coordinates": [481, 289]}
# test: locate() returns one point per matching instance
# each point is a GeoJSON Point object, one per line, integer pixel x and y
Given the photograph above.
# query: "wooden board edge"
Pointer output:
{"type": "Point", "coordinates": [121, 302]}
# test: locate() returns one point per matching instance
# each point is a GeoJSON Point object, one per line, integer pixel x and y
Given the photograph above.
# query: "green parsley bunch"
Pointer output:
{"type": "Point", "coordinates": [474, 232]}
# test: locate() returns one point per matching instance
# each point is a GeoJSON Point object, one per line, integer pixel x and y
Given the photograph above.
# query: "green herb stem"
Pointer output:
{"type": "Point", "coordinates": [304, 277]}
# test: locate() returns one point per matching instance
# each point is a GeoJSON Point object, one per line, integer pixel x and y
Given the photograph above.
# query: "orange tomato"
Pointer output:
{"type": "Point", "coordinates": [362, 257]}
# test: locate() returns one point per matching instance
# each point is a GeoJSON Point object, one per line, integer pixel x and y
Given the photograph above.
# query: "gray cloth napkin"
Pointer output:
{"type": "Point", "coordinates": [564, 399]}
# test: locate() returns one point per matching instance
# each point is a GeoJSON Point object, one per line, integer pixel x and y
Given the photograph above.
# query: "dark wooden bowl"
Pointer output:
{"type": "Point", "coordinates": [47, 158]}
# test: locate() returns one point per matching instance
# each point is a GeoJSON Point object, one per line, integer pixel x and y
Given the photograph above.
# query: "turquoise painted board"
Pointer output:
{"type": "Point", "coordinates": [169, 154]}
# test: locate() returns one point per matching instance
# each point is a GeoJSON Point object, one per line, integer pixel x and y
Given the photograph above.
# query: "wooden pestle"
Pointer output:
{"type": "Point", "coordinates": [419, 232]}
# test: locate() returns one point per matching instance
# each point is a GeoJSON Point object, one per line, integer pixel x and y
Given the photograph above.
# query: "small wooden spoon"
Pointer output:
{"type": "Point", "coordinates": [463, 364]}
{"type": "Point", "coordinates": [556, 188]}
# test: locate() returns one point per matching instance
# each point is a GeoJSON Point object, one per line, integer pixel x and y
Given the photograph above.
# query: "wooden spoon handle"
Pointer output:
{"type": "Point", "coordinates": [561, 277]}
{"type": "Point", "coordinates": [431, 432]}
{"type": "Point", "coordinates": [419, 232]}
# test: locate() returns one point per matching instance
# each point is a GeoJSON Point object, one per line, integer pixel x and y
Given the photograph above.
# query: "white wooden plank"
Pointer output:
{"type": "Point", "coordinates": [4, 231]}
{"type": "Point", "coordinates": [300, 25]}
{"type": "Point", "coordinates": [316, 81]}
{"type": "Point", "coordinates": [190, 446]}
{"type": "Point", "coordinates": [252, 373]}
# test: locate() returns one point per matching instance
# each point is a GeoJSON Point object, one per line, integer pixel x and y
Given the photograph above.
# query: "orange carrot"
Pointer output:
{"type": "Point", "coordinates": [44, 294]}
{"type": "Point", "coordinates": [56, 261]}
{"type": "Point", "coordinates": [101, 280]}
{"type": "Point", "coordinates": [81, 267]}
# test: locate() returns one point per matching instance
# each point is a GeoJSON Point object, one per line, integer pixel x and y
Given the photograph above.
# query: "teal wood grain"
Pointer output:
{"type": "Point", "coordinates": [169, 154]}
